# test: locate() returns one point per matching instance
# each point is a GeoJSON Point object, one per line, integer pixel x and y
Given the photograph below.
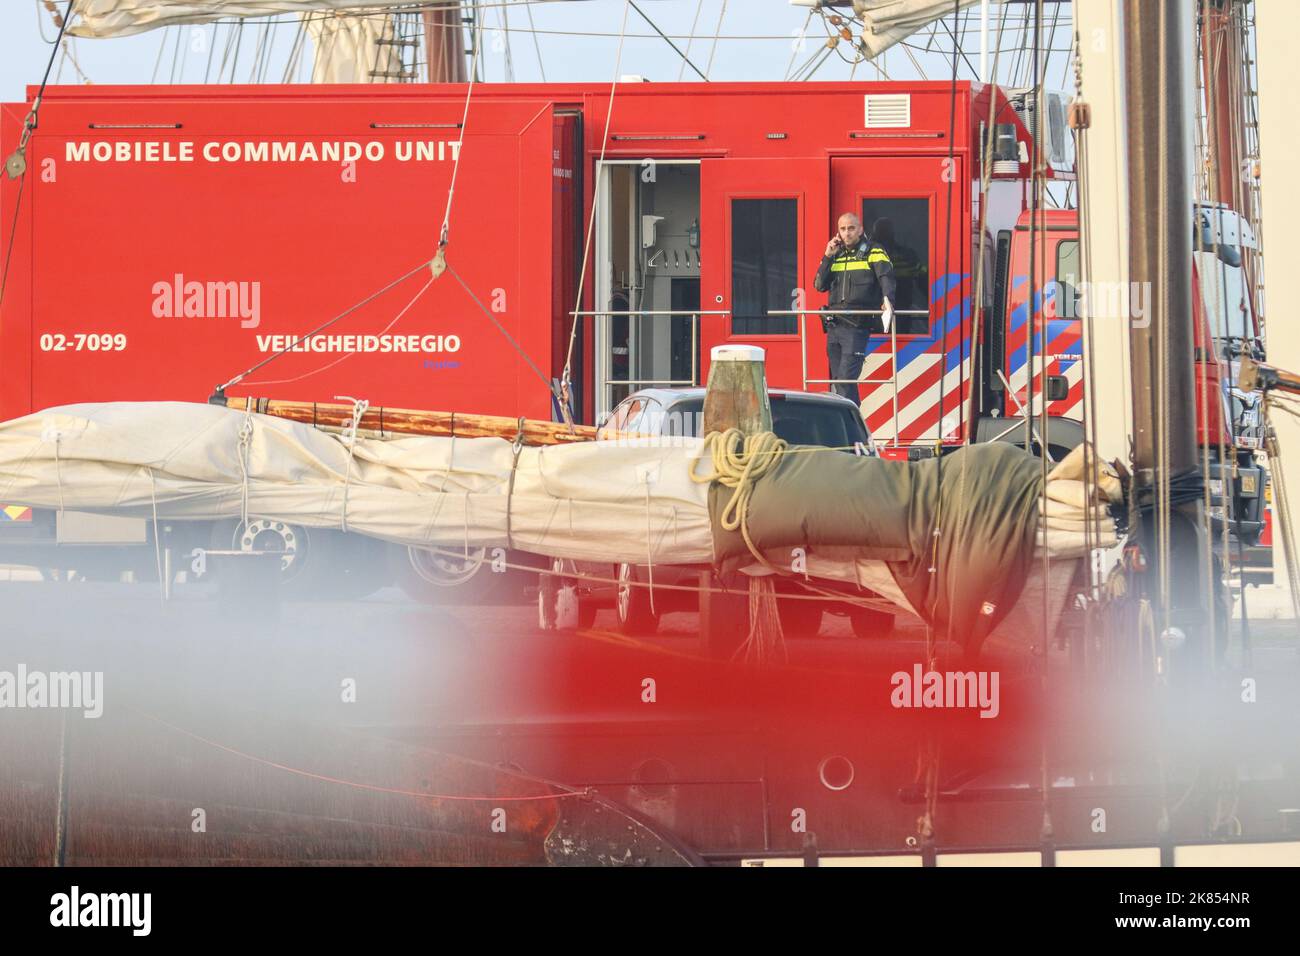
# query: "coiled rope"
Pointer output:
{"type": "Point", "coordinates": [738, 461]}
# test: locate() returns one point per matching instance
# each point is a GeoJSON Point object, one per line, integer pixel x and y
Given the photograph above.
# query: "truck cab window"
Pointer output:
{"type": "Point", "coordinates": [1223, 290]}
{"type": "Point", "coordinates": [904, 227]}
{"type": "Point", "coordinates": [1067, 279]}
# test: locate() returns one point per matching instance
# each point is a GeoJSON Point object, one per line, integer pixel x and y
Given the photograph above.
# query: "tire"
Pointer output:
{"type": "Point", "coordinates": [586, 612]}
{"type": "Point", "coordinates": [799, 618]}
{"type": "Point", "coordinates": [443, 576]}
{"type": "Point", "coordinates": [308, 565]}
{"type": "Point", "coordinates": [870, 623]}
{"type": "Point", "coordinates": [632, 603]}
{"type": "Point", "coordinates": [360, 566]}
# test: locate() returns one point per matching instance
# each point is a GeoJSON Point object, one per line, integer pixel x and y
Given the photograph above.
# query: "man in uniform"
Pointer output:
{"type": "Point", "coordinates": [859, 276]}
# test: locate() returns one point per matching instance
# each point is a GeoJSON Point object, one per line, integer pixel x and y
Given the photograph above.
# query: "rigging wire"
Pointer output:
{"type": "Point", "coordinates": [699, 6]}
{"type": "Point", "coordinates": [176, 55]}
{"type": "Point", "coordinates": [444, 233]}
{"type": "Point", "coordinates": [717, 33]}
{"type": "Point", "coordinates": [541, 69]}
{"type": "Point", "coordinates": [795, 47]}
{"type": "Point", "coordinates": [1205, 170]}
{"type": "Point", "coordinates": [158, 62]}
{"type": "Point", "coordinates": [212, 49]}
{"type": "Point", "coordinates": [566, 386]}
{"type": "Point", "coordinates": [503, 17]}
{"type": "Point", "coordinates": [685, 59]}
{"type": "Point", "coordinates": [16, 164]}
{"type": "Point", "coordinates": [325, 325]}
{"type": "Point", "coordinates": [347, 355]}
{"type": "Point", "coordinates": [930, 757]}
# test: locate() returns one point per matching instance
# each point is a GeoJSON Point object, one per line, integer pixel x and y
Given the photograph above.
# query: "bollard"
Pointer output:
{"type": "Point", "coordinates": [735, 397]}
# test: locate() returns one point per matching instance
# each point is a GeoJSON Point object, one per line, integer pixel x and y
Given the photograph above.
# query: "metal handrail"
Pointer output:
{"type": "Point", "coordinates": [655, 313]}
{"type": "Point", "coordinates": [803, 345]}
{"type": "Point", "coordinates": [893, 347]}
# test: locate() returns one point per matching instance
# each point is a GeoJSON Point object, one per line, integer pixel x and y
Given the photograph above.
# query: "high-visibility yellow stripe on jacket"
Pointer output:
{"type": "Point", "coordinates": [851, 265]}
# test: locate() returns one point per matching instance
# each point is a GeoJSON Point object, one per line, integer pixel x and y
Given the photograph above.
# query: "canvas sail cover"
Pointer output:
{"type": "Point", "coordinates": [960, 534]}
{"type": "Point", "coordinates": [887, 22]}
{"type": "Point", "coordinates": [861, 520]}
{"type": "Point", "coordinates": [118, 18]}
{"type": "Point", "coordinates": [626, 501]}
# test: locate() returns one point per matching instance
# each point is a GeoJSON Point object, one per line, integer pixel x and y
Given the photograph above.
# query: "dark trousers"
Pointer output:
{"type": "Point", "coordinates": [844, 350]}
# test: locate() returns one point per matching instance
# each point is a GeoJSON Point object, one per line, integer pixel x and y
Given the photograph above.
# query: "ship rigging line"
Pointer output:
{"type": "Point", "coordinates": [356, 784]}
{"type": "Point", "coordinates": [347, 355]}
{"type": "Point", "coordinates": [566, 378]}
{"type": "Point", "coordinates": [930, 749]}
{"type": "Point", "coordinates": [699, 8]}
{"type": "Point", "coordinates": [18, 160]}
{"type": "Point", "coordinates": [685, 59]}
{"type": "Point", "coordinates": [444, 235]}
{"type": "Point", "coordinates": [325, 325]}
{"type": "Point", "coordinates": [509, 338]}
{"type": "Point", "coordinates": [1038, 209]}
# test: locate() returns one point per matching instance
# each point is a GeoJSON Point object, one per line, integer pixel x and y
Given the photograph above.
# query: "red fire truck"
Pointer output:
{"type": "Point", "coordinates": [170, 238]}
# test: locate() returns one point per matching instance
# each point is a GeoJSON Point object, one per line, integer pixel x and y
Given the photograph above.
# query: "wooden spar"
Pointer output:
{"type": "Point", "coordinates": [405, 421]}
{"type": "Point", "coordinates": [1258, 376]}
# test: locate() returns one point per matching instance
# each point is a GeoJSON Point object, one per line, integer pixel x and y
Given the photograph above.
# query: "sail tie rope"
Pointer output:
{"type": "Point", "coordinates": [516, 448]}
{"type": "Point", "coordinates": [649, 545]}
{"type": "Point", "coordinates": [244, 452]}
{"type": "Point", "coordinates": [359, 406]}
{"type": "Point", "coordinates": [157, 540]}
{"type": "Point", "coordinates": [53, 434]}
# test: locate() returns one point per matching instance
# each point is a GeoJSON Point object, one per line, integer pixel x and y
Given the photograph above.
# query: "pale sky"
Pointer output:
{"type": "Point", "coordinates": [758, 41]}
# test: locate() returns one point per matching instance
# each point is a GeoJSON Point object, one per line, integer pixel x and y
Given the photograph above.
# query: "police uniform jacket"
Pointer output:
{"type": "Point", "coordinates": [859, 277]}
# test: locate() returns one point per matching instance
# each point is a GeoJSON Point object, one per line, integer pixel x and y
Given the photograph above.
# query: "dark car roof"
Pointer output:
{"type": "Point", "coordinates": [667, 396]}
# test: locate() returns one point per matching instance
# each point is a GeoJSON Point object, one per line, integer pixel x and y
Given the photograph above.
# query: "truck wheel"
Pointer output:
{"type": "Point", "coordinates": [360, 565]}
{"type": "Point", "coordinates": [799, 618]}
{"type": "Point", "coordinates": [870, 623]}
{"type": "Point", "coordinates": [444, 575]}
{"type": "Point", "coordinates": [303, 556]}
{"type": "Point", "coordinates": [635, 615]}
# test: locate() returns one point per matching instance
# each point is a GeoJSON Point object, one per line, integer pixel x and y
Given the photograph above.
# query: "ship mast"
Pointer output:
{"type": "Point", "coordinates": [444, 44]}
{"type": "Point", "coordinates": [1171, 524]}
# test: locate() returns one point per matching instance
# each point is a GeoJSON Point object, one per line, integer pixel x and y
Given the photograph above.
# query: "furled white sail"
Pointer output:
{"type": "Point", "coordinates": [886, 22]}
{"type": "Point", "coordinates": [116, 18]}
{"type": "Point", "coordinates": [348, 50]}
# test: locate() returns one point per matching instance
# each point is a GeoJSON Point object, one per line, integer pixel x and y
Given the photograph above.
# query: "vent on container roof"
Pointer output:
{"type": "Point", "coordinates": [888, 110]}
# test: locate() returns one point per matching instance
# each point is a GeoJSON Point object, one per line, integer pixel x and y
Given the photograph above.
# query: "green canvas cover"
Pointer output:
{"type": "Point", "coordinates": [983, 499]}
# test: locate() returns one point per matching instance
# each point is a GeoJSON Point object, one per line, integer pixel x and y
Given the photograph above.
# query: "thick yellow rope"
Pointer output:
{"type": "Point", "coordinates": [738, 461]}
